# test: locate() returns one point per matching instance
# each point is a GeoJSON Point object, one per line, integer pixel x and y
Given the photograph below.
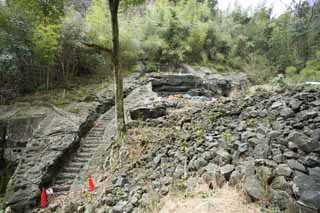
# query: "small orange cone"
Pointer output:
{"type": "Point", "coordinates": [90, 183]}
{"type": "Point", "coordinates": [43, 198]}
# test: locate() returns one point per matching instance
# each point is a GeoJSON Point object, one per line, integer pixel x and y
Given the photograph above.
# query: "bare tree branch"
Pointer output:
{"type": "Point", "coordinates": [98, 47]}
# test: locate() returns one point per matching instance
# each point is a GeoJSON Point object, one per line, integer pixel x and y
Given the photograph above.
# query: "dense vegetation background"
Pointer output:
{"type": "Point", "coordinates": [48, 44]}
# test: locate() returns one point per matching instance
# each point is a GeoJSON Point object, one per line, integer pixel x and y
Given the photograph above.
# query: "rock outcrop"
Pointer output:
{"type": "Point", "coordinates": [38, 138]}
{"type": "Point", "coordinates": [198, 82]}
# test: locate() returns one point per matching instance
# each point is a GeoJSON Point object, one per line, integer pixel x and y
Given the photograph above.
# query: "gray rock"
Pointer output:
{"type": "Point", "coordinates": [227, 170]}
{"type": "Point", "coordinates": [209, 137]}
{"type": "Point", "coordinates": [171, 83]}
{"type": "Point", "coordinates": [151, 111]}
{"type": "Point", "coordinates": [199, 163]}
{"type": "Point", "coordinates": [264, 174]}
{"type": "Point", "coordinates": [164, 190]}
{"type": "Point", "coordinates": [262, 150]}
{"type": "Point", "coordinates": [90, 208]}
{"type": "Point", "coordinates": [119, 207]}
{"type": "Point", "coordinates": [120, 181]}
{"type": "Point", "coordinates": [277, 105]}
{"type": "Point", "coordinates": [315, 139]}
{"type": "Point", "coordinates": [283, 170]}
{"type": "Point", "coordinates": [220, 180]}
{"type": "Point", "coordinates": [290, 154]}
{"type": "Point", "coordinates": [278, 158]}
{"type": "Point", "coordinates": [295, 104]}
{"type": "Point", "coordinates": [81, 208]}
{"type": "Point", "coordinates": [280, 183]}
{"type": "Point", "coordinates": [156, 161]}
{"type": "Point", "coordinates": [286, 112]}
{"type": "Point", "coordinates": [274, 135]}
{"type": "Point", "coordinates": [207, 155]}
{"type": "Point", "coordinates": [307, 190]}
{"type": "Point", "coordinates": [295, 165]}
{"type": "Point", "coordinates": [297, 207]}
{"type": "Point", "coordinates": [253, 188]}
{"type": "Point", "coordinates": [235, 178]}
{"type": "Point", "coordinates": [53, 207]}
{"type": "Point", "coordinates": [166, 180]}
{"type": "Point", "coordinates": [311, 160]}
{"type": "Point", "coordinates": [249, 167]}
{"type": "Point", "coordinates": [280, 199]}
{"type": "Point", "coordinates": [223, 156]}
{"type": "Point", "coordinates": [315, 174]}
{"type": "Point", "coordinates": [69, 208]}
{"type": "Point", "coordinates": [292, 146]}
{"type": "Point", "coordinates": [179, 172]}
{"type": "Point", "coordinates": [303, 142]}
{"type": "Point", "coordinates": [211, 170]}
{"type": "Point", "coordinates": [8, 210]}
{"type": "Point", "coordinates": [243, 147]}
{"type": "Point", "coordinates": [307, 114]}
{"type": "Point", "coordinates": [109, 200]}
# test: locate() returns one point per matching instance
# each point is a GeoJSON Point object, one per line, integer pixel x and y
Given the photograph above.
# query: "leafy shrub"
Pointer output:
{"type": "Point", "coordinates": [291, 71]}
{"type": "Point", "coordinates": [310, 73]}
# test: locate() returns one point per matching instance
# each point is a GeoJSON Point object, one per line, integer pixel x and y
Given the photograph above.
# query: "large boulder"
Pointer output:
{"type": "Point", "coordinates": [304, 142]}
{"type": "Point", "coordinates": [150, 111]}
{"type": "Point", "coordinates": [254, 188]}
{"type": "Point", "coordinates": [307, 190]}
{"type": "Point", "coordinates": [40, 136]}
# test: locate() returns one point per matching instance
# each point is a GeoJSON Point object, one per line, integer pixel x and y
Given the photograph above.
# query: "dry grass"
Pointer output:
{"type": "Point", "coordinates": [203, 200]}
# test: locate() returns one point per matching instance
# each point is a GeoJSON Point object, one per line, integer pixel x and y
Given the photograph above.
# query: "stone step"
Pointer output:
{"type": "Point", "coordinates": [94, 138]}
{"type": "Point", "coordinates": [63, 182]}
{"type": "Point", "coordinates": [90, 145]}
{"type": "Point", "coordinates": [61, 188]}
{"type": "Point", "coordinates": [76, 164]}
{"type": "Point", "coordinates": [92, 135]}
{"type": "Point", "coordinates": [89, 149]}
{"type": "Point", "coordinates": [97, 129]}
{"type": "Point", "coordinates": [72, 169]}
{"type": "Point", "coordinates": [67, 176]}
{"type": "Point", "coordinates": [80, 160]}
{"type": "Point", "coordinates": [95, 142]}
{"type": "Point", "coordinates": [84, 155]}
{"type": "Point", "coordinates": [95, 133]}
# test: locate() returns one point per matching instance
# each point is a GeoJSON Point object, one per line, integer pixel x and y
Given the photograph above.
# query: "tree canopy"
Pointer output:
{"type": "Point", "coordinates": [41, 42]}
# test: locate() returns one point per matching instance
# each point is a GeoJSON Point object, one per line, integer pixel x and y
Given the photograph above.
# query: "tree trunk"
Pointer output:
{"type": "Point", "coordinates": [48, 78]}
{"type": "Point", "coordinates": [118, 82]}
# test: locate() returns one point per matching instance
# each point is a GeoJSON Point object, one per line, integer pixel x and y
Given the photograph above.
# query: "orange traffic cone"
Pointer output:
{"type": "Point", "coordinates": [43, 198]}
{"type": "Point", "coordinates": [90, 183]}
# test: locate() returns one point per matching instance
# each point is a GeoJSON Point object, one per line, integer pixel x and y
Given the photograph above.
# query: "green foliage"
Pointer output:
{"type": "Point", "coordinates": [279, 81]}
{"type": "Point", "coordinates": [46, 41]}
{"type": "Point", "coordinates": [310, 73]}
{"type": "Point", "coordinates": [41, 41]}
{"type": "Point", "coordinates": [97, 23]}
{"type": "Point", "coordinates": [176, 32]}
{"type": "Point", "coordinates": [291, 71]}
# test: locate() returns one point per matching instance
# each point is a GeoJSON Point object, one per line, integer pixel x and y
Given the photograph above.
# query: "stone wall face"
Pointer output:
{"type": "Point", "coordinates": [19, 132]}
{"type": "Point", "coordinates": [36, 139]}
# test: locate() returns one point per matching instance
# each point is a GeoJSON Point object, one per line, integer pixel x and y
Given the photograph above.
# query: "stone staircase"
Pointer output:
{"type": "Point", "coordinates": [88, 146]}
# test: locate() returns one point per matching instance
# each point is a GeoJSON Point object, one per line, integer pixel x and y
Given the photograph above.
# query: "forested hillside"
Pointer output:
{"type": "Point", "coordinates": [54, 44]}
